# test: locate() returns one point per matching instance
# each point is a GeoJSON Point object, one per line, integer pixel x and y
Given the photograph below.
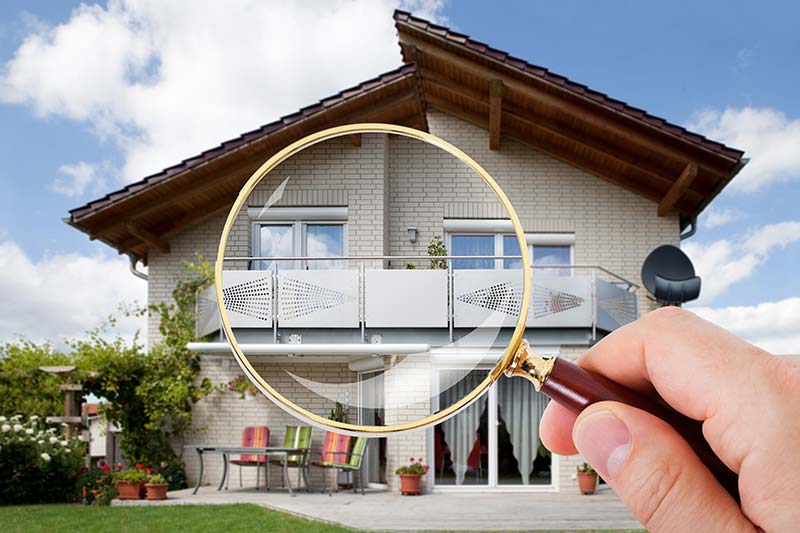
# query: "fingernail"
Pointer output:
{"type": "Point", "coordinates": [604, 441]}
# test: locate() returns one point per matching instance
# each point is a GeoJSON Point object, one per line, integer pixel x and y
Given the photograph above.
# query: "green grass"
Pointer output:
{"type": "Point", "coordinates": [205, 518]}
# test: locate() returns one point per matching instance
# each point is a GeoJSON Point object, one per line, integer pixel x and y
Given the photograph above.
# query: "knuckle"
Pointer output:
{"type": "Point", "coordinates": [655, 486]}
{"type": "Point", "coordinates": [668, 314]}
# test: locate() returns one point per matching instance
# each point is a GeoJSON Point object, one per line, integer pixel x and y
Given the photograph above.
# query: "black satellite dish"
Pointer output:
{"type": "Point", "coordinates": [668, 274]}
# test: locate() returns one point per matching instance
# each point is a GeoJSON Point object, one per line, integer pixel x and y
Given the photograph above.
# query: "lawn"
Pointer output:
{"type": "Point", "coordinates": [205, 518]}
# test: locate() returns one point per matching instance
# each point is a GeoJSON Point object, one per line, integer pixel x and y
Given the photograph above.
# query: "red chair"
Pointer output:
{"type": "Point", "coordinates": [334, 452]}
{"type": "Point", "coordinates": [252, 437]}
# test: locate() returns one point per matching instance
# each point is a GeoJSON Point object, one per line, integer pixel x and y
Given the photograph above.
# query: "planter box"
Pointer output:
{"type": "Point", "coordinates": [130, 491]}
{"type": "Point", "coordinates": [157, 492]}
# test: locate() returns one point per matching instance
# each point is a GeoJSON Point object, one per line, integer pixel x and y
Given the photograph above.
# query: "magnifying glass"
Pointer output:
{"type": "Point", "coordinates": [373, 279]}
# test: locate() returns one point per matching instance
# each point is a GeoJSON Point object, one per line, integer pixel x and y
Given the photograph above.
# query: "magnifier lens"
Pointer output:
{"type": "Point", "coordinates": [373, 280]}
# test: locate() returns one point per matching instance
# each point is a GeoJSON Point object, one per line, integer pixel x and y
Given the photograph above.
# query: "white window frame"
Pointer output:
{"type": "Point", "coordinates": [502, 228]}
{"type": "Point", "coordinates": [298, 218]}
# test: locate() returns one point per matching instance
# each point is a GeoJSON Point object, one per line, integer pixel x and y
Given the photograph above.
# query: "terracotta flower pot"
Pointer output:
{"type": "Point", "coordinates": [410, 484]}
{"type": "Point", "coordinates": [587, 481]}
{"type": "Point", "coordinates": [130, 491]}
{"type": "Point", "coordinates": [156, 492]}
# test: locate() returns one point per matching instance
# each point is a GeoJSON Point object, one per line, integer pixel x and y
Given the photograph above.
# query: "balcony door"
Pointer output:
{"type": "Point", "coordinates": [494, 443]}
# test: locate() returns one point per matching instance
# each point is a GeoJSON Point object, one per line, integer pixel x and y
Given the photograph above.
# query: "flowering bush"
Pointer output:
{"type": "Point", "coordinates": [242, 386]}
{"type": "Point", "coordinates": [416, 468]}
{"type": "Point", "coordinates": [97, 485]}
{"type": "Point", "coordinates": [37, 464]}
{"type": "Point", "coordinates": [133, 475]}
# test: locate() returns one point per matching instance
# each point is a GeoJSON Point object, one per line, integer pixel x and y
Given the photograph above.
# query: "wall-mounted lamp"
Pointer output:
{"type": "Point", "coordinates": [412, 233]}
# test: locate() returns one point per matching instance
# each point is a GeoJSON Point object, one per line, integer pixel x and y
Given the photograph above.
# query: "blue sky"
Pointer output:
{"type": "Point", "coordinates": [675, 60]}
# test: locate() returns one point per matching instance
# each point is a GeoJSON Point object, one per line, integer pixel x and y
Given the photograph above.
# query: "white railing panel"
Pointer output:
{"type": "Point", "coordinates": [207, 312]}
{"type": "Point", "coordinates": [491, 298]}
{"type": "Point", "coordinates": [488, 298]}
{"type": "Point", "coordinates": [318, 299]}
{"type": "Point", "coordinates": [248, 297]}
{"type": "Point", "coordinates": [406, 298]}
{"type": "Point", "coordinates": [560, 301]}
{"type": "Point", "coordinates": [616, 306]}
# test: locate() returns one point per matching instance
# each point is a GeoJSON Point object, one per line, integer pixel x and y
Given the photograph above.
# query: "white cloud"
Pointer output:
{"type": "Point", "coordinates": [725, 262]}
{"type": "Point", "coordinates": [768, 136]}
{"type": "Point", "coordinates": [166, 80]}
{"type": "Point", "coordinates": [773, 326]}
{"type": "Point", "coordinates": [75, 179]}
{"type": "Point", "coordinates": [744, 60]}
{"type": "Point", "coordinates": [713, 218]}
{"type": "Point", "coordinates": [64, 295]}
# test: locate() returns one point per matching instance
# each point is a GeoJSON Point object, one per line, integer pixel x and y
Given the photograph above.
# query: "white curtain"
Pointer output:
{"type": "Point", "coordinates": [521, 408]}
{"type": "Point", "coordinates": [460, 430]}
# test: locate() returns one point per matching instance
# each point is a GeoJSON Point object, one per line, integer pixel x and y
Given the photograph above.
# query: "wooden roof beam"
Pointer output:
{"type": "Point", "coordinates": [148, 236]}
{"type": "Point", "coordinates": [495, 113]}
{"type": "Point", "coordinates": [480, 121]}
{"type": "Point", "coordinates": [356, 140]}
{"type": "Point", "coordinates": [424, 50]}
{"type": "Point", "coordinates": [677, 190]}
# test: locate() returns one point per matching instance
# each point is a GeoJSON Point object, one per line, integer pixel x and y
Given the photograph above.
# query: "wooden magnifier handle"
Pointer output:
{"type": "Point", "coordinates": [576, 388]}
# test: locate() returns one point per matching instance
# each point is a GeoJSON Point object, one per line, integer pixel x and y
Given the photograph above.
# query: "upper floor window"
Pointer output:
{"type": "Point", "coordinates": [491, 238]}
{"type": "Point", "coordinates": [316, 235]}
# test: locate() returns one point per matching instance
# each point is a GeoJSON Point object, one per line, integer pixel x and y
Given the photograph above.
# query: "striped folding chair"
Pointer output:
{"type": "Point", "coordinates": [296, 437]}
{"type": "Point", "coordinates": [334, 453]}
{"type": "Point", "coordinates": [252, 436]}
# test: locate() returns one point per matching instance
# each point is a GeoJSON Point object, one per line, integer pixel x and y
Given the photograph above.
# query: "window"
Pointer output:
{"type": "Point", "coordinates": [300, 238]}
{"type": "Point", "coordinates": [492, 244]}
{"type": "Point", "coordinates": [479, 245]}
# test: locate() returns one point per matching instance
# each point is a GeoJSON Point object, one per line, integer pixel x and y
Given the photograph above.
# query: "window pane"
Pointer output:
{"type": "Point", "coordinates": [511, 247]}
{"type": "Point", "coordinates": [460, 444]}
{"type": "Point", "coordinates": [479, 245]}
{"type": "Point", "coordinates": [275, 241]}
{"type": "Point", "coordinates": [324, 240]}
{"type": "Point", "coordinates": [552, 255]}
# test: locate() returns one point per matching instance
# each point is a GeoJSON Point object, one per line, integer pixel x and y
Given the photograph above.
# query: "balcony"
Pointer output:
{"type": "Point", "coordinates": [363, 294]}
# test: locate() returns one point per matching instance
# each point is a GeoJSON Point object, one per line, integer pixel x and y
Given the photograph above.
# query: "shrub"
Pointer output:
{"type": "Point", "coordinates": [99, 485]}
{"type": "Point", "coordinates": [37, 465]}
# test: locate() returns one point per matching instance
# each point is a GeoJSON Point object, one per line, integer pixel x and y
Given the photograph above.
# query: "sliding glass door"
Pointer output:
{"type": "Point", "coordinates": [493, 443]}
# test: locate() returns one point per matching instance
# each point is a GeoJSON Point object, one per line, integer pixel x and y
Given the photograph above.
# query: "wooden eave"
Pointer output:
{"type": "Point", "coordinates": [141, 216]}
{"type": "Point", "coordinates": [605, 137]}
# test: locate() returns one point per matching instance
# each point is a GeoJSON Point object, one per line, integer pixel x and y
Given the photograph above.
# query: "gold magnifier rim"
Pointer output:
{"type": "Point", "coordinates": [331, 133]}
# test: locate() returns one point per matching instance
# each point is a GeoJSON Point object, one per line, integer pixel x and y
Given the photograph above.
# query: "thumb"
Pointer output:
{"type": "Point", "coordinates": [654, 471]}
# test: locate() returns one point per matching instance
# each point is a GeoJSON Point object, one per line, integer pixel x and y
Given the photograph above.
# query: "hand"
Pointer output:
{"type": "Point", "coordinates": [747, 399]}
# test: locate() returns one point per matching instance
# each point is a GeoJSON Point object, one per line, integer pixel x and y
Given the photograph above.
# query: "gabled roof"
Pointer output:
{"type": "Point", "coordinates": [680, 170]}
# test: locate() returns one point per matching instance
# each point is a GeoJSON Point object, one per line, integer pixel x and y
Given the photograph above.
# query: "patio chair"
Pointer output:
{"type": "Point", "coordinates": [252, 436]}
{"type": "Point", "coordinates": [335, 456]}
{"type": "Point", "coordinates": [295, 437]}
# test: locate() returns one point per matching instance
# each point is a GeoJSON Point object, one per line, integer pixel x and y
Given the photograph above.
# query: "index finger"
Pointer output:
{"type": "Point", "coordinates": [698, 368]}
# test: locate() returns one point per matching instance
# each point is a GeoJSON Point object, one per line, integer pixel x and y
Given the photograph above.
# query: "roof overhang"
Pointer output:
{"type": "Point", "coordinates": [679, 170]}
{"type": "Point", "coordinates": [142, 215]}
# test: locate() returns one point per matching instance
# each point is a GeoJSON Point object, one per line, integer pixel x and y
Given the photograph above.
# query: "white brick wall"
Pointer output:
{"type": "Point", "coordinates": [613, 228]}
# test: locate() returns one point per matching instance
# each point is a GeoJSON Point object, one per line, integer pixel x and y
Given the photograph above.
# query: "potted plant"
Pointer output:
{"type": "Point", "coordinates": [411, 477]}
{"type": "Point", "coordinates": [587, 478]}
{"type": "Point", "coordinates": [245, 389]}
{"type": "Point", "coordinates": [130, 483]}
{"type": "Point", "coordinates": [156, 487]}
{"type": "Point", "coordinates": [436, 248]}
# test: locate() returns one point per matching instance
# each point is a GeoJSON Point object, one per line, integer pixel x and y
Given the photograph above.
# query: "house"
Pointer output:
{"type": "Point", "coordinates": [597, 183]}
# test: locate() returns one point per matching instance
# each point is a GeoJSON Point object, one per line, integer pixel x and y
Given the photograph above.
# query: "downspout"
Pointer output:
{"type": "Point", "coordinates": [139, 274]}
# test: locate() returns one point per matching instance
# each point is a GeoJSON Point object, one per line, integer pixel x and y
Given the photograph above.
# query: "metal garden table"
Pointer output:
{"type": "Point", "coordinates": [268, 451]}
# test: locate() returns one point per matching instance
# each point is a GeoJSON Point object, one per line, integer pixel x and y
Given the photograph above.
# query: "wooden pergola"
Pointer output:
{"type": "Point", "coordinates": [678, 170]}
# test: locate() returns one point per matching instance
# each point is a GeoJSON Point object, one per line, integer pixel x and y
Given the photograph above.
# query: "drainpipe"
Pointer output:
{"type": "Point", "coordinates": [139, 274]}
{"type": "Point", "coordinates": [692, 229]}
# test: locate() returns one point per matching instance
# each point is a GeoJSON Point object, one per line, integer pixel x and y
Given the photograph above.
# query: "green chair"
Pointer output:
{"type": "Point", "coordinates": [339, 456]}
{"type": "Point", "coordinates": [296, 437]}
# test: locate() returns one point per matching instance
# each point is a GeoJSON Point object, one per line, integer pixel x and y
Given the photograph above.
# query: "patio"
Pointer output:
{"type": "Point", "coordinates": [385, 511]}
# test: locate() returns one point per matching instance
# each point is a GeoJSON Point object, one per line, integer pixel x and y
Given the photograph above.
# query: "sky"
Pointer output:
{"type": "Point", "coordinates": [96, 95]}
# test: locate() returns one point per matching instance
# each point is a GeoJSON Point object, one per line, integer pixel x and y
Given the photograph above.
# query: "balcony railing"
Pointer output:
{"type": "Point", "coordinates": [383, 292]}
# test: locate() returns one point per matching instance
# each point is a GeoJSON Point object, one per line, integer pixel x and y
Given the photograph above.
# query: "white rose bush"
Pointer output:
{"type": "Point", "coordinates": [37, 464]}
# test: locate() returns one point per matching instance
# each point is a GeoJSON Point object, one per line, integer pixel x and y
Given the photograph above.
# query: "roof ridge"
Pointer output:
{"type": "Point", "coordinates": [565, 83]}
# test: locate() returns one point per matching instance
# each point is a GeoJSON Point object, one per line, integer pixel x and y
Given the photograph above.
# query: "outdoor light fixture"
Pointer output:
{"type": "Point", "coordinates": [412, 233]}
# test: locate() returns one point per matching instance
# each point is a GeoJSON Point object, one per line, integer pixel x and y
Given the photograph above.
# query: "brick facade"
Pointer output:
{"type": "Point", "coordinates": [388, 184]}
